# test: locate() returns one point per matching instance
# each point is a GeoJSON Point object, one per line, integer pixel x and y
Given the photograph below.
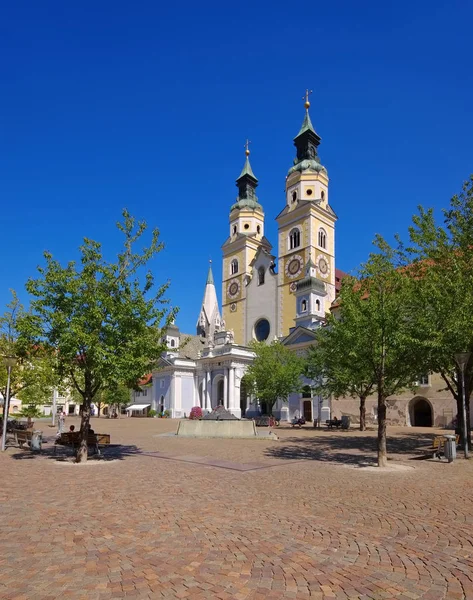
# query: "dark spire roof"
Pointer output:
{"type": "Point", "coordinates": [247, 184]}
{"type": "Point", "coordinates": [306, 143]}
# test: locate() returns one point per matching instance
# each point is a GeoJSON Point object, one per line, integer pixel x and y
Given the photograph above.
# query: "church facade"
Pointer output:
{"type": "Point", "coordinates": [265, 296]}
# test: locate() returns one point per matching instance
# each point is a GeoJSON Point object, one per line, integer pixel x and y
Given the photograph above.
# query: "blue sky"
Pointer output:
{"type": "Point", "coordinates": [147, 105]}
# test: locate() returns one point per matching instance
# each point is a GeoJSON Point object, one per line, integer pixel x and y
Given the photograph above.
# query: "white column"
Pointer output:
{"type": "Point", "coordinates": [204, 390]}
{"type": "Point", "coordinates": [208, 388]}
{"type": "Point", "coordinates": [231, 388]}
{"type": "Point", "coordinates": [172, 395]}
{"type": "Point", "coordinates": [225, 387]}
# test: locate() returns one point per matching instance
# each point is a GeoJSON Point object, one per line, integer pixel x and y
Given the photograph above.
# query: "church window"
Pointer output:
{"type": "Point", "coordinates": [309, 192]}
{"type": "Point", "coordinates": [303, 305]}
{"type": "Point", "coordinates": [317, 305]}
{"type": "Point", "coordinates": [246, 226]}
{"type": "Point", "coordinates": [424, 379]}
{"type": "Point", "coordinates": [258, 229]}
{"type": "Point", "coordinates": [234, 266]}
{"type": "Point", "coordinates": [322, 195]}
{"type": "Point", "coordinates": [173, 343]}
{"type": "Point", "coordinates": [322, 238]}
{"type": "Point", "coordinates": [262, 329]}
{"type": "Point", "coordinates": [294, 196]}
{"type": "Point", "coordinates": [234, 229]}
{"type": "Point", "coordinates": [294, 238]}
{"type": "Point", "coordinates": [261, 276]}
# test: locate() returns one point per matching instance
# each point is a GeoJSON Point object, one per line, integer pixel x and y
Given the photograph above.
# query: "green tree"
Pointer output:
{"type": "Point", "coordinates": [374, 329]}
{"type": "Point", "coordinates": [116, 396]}
{"type": "Point", "coordinates": [274, 374]}
{"type": "Point", "coordinates": [339, 364]}
{"type": "Point", "coordinates": [103, 321]}
{"type": "Point", "coordinates": [35, 375]}
{"type": "Point", "coordinates": [438, 258]}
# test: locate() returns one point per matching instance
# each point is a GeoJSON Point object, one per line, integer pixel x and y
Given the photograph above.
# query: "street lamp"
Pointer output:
{"type": "Point", "coordinates": [9, 362]}
{"type": "Point", "coordinates": [462, 360]}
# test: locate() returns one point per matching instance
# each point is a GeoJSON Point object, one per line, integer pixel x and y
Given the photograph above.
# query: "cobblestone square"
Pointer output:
{"type": "Point", "coordinates": [162, 517]}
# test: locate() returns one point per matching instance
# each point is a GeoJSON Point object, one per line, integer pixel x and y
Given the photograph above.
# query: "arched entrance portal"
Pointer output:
{"type": "Point", "coordinates": [243, 398]}
{"type": "Point", "coordinates": [220, 392]}
{"type": "Point", "coordinates": [420, 412]}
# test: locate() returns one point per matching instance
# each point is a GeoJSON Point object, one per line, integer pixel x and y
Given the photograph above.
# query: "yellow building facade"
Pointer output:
{"type": "Point", "coordinates": [306, 235]}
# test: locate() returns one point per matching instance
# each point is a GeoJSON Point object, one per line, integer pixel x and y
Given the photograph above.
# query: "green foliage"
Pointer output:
{"type": "Point", "coordinates": [152, 413]}
{"type": "Point", "coordinates": [372, 335]}
{"type": "Point", "coordinates": [338, 362]}
{"type": "Point", "coordinates": [103, 321]}
{"type": "Point", "coordinates": [31, 411]}
{"type": "Point", "coordinates": [35, 375]}
{"type": "Point", "coordinates": [274, 374]}
{"type": "Point", "coordinates": [167, 413]}
{"type": "Point", "coordinates": [440, 261]}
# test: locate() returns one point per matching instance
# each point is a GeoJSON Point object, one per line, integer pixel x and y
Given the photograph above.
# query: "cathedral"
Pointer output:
{"type": "Point", "coordinates": [266, 295]}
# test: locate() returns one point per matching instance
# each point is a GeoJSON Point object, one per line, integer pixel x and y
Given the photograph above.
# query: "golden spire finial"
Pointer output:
{"type": "Point", "coordinates": [247, 149]}
{"type": "Point", "coordinates": [306, 98]}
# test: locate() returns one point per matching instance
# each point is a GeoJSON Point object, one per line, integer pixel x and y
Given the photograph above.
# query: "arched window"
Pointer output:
{"type": "Point", "coordinates": [261, 276]}
{"type": "Point", "coordinates": [322, 238]}
{"type": "Point", "coordinates": [317, 305]}
{"type": "Point", "coordinates": [258, 229]}
{"type": "Point", "coordinates": [322, 195]}
{"type": "Point", "coordinates": [173, 343]}
{"type": "Point", "coordinates": [294, 238]}
{"type": "Point", "coordinates": [234, 266]}
{"type": "Point", "coordinates": [294, 196]}
{"type": "Point", "coordinates": [303, 305]}
{"type": "Point", "coordinates": [234, 229]}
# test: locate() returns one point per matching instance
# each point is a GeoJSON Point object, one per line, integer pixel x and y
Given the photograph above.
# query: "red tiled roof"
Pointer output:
{"type": "Point", "coordinates": [339, 275]}
{"type": "Point", "coordinates": [146, 379]}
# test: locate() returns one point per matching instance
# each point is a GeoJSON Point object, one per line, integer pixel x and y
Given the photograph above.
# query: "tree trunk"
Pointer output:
{"type": "Point", "coordinates": [82, 450]}
{"type": "Point", "coordinates": [468, 384]}
{"type": "Point", "coordinates": [99, 408]}
{"type": "Point", "coordinates": [362, 413]}
{"type": "Point", "coordinates": [382, 452]}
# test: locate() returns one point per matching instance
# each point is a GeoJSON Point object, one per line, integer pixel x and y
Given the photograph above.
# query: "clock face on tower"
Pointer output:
{"type": "Point", "coordinates": [294, 266]}
{"type": "Point", "coordinates": [233, 288]}
{"type": "Point", "coordinates": [324, 267]}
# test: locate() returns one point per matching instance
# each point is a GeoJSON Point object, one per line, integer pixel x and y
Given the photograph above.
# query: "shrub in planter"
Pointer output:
{"type": "Point", "coordinates": [166, 413]}
{"type": "Point", "coordinates": [152, 413]}
{"type": "Point", "coordinates": [196, 413]}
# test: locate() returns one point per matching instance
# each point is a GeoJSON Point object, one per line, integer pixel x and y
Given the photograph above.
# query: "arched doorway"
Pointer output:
{"type": "Point", "coordinates": [220, 392]}
{"type": "Point", "coordinates": [201, 395]}
{"type": "Point", "coordinates": [420, 412]}
{"type": "Point", "coordinates": [243, 397]}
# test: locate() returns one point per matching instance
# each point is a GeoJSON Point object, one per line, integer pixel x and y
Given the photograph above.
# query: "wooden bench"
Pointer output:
{"type": "Point", "coordinates": [22, 437]}
{"type": "Point", "coordinates": [331, 423]}
{"type": "Point", "coordinates": [72, 438]}
{"type": "Point", "coordinates": [438, 445]}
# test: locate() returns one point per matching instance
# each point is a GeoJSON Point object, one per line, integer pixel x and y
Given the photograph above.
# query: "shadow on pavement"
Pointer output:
{"type": "Point", "coordinates": [358, 450]}
{"type": "Point", "coordinates": [64, 453]}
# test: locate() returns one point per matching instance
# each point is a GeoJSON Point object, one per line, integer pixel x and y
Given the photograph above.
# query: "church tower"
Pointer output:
{"type": "Point", "coordinates": [306, 225]}
{"type": "Point", "coordinates": [209, 321]}
{"type": "Point", "coordinates": [239, 250]}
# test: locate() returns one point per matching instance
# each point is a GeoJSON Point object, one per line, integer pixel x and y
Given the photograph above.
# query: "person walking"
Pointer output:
{"type": "Point", "coordinates": [61, 423]}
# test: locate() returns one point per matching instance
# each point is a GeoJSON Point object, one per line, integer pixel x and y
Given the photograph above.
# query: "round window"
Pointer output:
{"type": "Point", "coordinates": [262, 329]}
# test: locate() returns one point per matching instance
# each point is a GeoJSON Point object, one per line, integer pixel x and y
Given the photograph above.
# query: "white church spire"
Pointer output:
{"type": "Point", "coordinates": [209, 320]}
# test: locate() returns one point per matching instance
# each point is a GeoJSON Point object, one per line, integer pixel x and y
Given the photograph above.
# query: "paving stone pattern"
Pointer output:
{"type": "Point", "coordinates": [163, 517]}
